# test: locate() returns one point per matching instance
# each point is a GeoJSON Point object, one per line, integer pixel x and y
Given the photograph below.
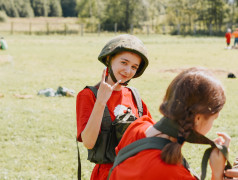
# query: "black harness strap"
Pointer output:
{"type": "Point", "coordinates": [79, 162]}
{"type": "Point", "coordinates": [140, 145]}
{"type": "Point", "coordinates": [136, 96]}
{"type": "Point", "coordinates": [113, 76]}
{"type": "Point", "coordinates": [93, 89]}
{"type": "Point", "coordinates": [106, 125]}
{"type": "Point", "coordinates": [206, 157]}
{"type": "Point", "coordinates": [169, 127]}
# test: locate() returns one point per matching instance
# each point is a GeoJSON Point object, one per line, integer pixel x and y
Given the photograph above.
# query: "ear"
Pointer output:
{"type": "Point", "coordinates": [197, 120]}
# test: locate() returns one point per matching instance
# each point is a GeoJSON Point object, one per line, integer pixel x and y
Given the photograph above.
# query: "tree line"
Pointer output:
{"type": "Point", "coordinates": [185, 14]}
{"type": "Point", "coordinates": [34, 8]}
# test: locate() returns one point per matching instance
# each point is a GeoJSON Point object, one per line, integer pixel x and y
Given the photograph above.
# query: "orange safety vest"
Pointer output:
{"type": "Point", "coordinates": [235, 34]}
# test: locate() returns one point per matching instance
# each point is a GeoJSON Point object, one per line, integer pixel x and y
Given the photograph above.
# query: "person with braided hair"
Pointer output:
{"type": "Point", "coordinates": [192, 102]}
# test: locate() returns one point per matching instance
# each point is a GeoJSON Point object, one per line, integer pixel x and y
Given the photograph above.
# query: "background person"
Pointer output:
{"type": "Point", "coordinates": [235, 35]}
{"type": "Point", "coordinates": [125, 57]}
{"type": "Point", "coordinates": [3, 44]}
{"type": "Point", "coordinates": [189, 108]}
{"type": "Point", "coordinates": [228, 38]}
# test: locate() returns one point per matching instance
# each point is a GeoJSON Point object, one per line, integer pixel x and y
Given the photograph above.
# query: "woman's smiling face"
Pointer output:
{"type": "Point", "coordinates": [125, 65]}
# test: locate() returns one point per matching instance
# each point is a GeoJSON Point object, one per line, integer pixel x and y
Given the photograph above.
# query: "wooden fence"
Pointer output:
{"type": "Point", "coordinates": [82, 29]}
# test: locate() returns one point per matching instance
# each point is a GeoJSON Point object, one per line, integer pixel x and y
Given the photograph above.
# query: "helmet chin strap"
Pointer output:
{"type": "Point", "coordinates": [114, 78]}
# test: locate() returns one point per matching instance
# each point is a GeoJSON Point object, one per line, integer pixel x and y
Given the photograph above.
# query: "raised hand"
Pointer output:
{"type": "Point", "coordinates": [105, 89]}
{"type": "Point", "coordinates": [217, 160]}
{"type": "Point", "coordinates": [232, 173]}
{"type": "Point", "coordinates": [223, 139]}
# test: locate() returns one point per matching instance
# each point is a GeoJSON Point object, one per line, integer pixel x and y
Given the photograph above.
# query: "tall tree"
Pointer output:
{"type": "Point", "coordinates": [90, 8]}
{"type": "Point", "coordinates": [24, 8]}
{"type": "Point", "coordinates": [40, 7]}
{"type": "Point", "coordinates": [232, 11]}
{"type": "Point", "coordinates": [209, 13]}
{"type": "Point", "coordinates": [213, 14]}
{"type": "Point", "coordinates": [122, 12]}
{"type": "Point", "coordinates": [216, 13]}
{"type": "Point", "coordinates": [68, 8]}
{"type": "Point", "coordinates": [182, 11]}
{"type": "Point", "coordinates": [55, 9]}
{"type": "Point", "coordinates": [9, 7]}
{"type": "Point", "coordinates": [155, 11]}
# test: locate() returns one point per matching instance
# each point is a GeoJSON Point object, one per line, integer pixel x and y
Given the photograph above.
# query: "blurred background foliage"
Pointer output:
{"type": "Point", "coordinates": [125, 13]}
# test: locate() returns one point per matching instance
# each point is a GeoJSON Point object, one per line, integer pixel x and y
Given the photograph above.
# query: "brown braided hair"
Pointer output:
{"type": "Point", "coordinates": [193, 91]}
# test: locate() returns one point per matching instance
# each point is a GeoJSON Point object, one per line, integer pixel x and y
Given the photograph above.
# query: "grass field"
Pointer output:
{"type": "Point", "coordinates": [37, 135]}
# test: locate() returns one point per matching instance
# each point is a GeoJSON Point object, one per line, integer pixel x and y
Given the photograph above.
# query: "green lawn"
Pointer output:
{"type": "Point", "coordinates": [37, 135]}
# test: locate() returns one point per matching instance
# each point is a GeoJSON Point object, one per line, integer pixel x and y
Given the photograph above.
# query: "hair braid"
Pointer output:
{"type": "Point", "coordinates": [192, 92]}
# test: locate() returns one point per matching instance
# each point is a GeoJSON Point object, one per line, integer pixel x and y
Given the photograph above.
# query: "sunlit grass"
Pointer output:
{"type": "Point", "coordinates": [37, 136]}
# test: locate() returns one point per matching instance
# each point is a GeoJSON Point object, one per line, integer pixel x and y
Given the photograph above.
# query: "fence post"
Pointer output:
{"type": "Point", "coordinates": [99, 29]}
{"type": "Point", "coordinates": [47, 28]}
{"type": "Point", "coordinates": [210, 29]}
{"type": "Point", "coordinates": [12, 27]}
{"type": "Point", "coordinates": [131, 29]}
{"type": "Point", "coordinates": [194, 29]}
{"type": "Point", "coordinates": [178, 29]}
{"type": "Point", "coordinates": [30, 28]}
{"type": "Point", "coordinates": [163, 29]}
{"type": "Point", "coordinates": [81, 29]}
{"type": "Point", "coordinates": [184, 29]}
{"type": "Point", "coordinates": [115, 28]}
{"type": "Point", "coordinates": [92, 26]}
{"type": "Point", "coordinates": [65, 29]}
{"type": "Point", "coordinates": [148, 29]}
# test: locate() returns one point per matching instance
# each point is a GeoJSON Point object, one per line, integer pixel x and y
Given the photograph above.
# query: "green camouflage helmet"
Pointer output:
{"type": "Point", "coordinates": [129, 43]}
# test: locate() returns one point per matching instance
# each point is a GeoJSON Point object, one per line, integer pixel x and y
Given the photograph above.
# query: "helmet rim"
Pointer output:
{"type": "Point", "coordinates": [128, 43]}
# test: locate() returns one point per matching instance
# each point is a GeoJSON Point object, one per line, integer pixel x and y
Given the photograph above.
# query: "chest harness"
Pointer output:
{"type": "Point", "coordinates": [111, 132]}
{"type": "Point", "coordinates": [169, 127]}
